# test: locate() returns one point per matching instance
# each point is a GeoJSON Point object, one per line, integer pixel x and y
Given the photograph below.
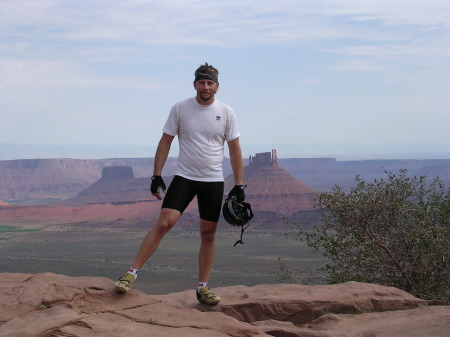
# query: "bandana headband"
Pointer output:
{"type": "Point", "coordinates": [206, 75]}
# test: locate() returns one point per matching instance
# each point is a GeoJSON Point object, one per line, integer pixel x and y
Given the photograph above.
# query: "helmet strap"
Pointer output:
{"type": "Point", "coordinates": [248, 208]}
{"type": "Point", "coordinates": [242, 233]}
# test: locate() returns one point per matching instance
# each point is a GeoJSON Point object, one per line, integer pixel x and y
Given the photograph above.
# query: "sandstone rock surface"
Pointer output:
{"type": "Point", "coordinates": [39, 305]}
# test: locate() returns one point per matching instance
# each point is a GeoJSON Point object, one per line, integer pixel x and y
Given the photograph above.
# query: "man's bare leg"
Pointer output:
{"type": "Point", "coordinates": [167, 219]}
{"type": "Point", "coordinates": [207, 249]}
{"type": "Point", "coordinates": [206, 260]}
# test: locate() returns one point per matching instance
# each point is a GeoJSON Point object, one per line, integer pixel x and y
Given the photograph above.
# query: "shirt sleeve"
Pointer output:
{"type": "Point", "coordinates": [172, 124]}
{"type": "Point", "coordinates": [232, 128]}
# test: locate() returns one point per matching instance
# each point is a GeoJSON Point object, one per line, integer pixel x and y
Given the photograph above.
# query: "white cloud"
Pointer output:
{"type": "Point", "coordinates": [211, 22]}
{"type": "Point", "coordinates": [359, 65]}
{"type": "Point", "coordinates": [60, 74]}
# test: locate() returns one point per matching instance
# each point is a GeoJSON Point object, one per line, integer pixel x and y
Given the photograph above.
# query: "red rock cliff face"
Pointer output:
{"type": "Point", "coordinates": [270, 188]}
{"type": "Point", "coordinates": [272, 191]}
{"type": "Point", "coordinates": [117, 172]}
{"type": "Point", "coordinates": [116, 185]}
{"type": "Point", "coordinates": [46, 178]}
{"type": "Point", "coordinates": [38, 179]}
{"type": "Point", "coordinates": [60, 178]}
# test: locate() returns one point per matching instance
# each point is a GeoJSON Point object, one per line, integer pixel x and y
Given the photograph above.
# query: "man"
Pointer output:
{"type": "Point", "coordinates": [202, 125]}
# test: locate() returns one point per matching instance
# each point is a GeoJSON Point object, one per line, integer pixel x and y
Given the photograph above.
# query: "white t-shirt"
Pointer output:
{"type": "Point", "coordinates": [202, 131]}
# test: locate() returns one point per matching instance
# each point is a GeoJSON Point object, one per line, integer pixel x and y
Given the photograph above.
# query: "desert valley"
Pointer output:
{"type": "Point", "coordinates": [62, 219]}
{"type": "Point", "coordinates": [97, 231]}
{"type": "Point", "coordinates": [87, 217]}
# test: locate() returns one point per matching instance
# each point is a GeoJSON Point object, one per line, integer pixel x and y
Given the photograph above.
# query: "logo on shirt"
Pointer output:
{"type": "Point", "coordinates": [218, 118]}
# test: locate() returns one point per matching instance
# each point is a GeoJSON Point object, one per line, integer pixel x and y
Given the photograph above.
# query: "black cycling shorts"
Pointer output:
{"type": "Point", "coordinates": [209, 194]}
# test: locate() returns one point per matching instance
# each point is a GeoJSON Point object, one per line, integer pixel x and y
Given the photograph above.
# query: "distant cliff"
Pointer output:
{"type": "Point", "coordinates": [109, 189]}
{"type": "Point", "coordinates": [272, 191]}
{"type": "Point", "coordinates": [117, 184]}
{"type": "Point", "coordinates": [61, 178]}
{"type": "Point", "coordinates": [117, 172]}
{"type": "Point", "coordinates": [38, 179]}
{"type": "Point", "coordinates": [323, 173]}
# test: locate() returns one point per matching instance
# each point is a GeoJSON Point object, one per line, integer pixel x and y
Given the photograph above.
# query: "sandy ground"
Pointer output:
{"type": "Point", "coordinates": [83, 251]}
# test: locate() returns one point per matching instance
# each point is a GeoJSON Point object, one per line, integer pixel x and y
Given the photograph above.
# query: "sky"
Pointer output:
{"type": "Point", "coordinates": [309, 78]}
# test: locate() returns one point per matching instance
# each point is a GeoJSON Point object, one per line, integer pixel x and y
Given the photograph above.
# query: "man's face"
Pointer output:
{"type": "Point", "coordinates": [206, 89]}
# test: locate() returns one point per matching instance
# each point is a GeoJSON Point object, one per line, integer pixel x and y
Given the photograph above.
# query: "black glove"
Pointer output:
{"type": "Point", "coordinates": [237, 193]}
{"type": "Point", "coordinates": [157, 184]}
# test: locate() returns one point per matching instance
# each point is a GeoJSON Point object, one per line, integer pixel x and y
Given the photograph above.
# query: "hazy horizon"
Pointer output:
{"type": "Point", "coordinates": [340, 152]}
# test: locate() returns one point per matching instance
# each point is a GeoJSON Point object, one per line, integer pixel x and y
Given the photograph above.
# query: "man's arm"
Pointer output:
{"type": "Point", "coordinates": [237, 163]}
{"type": "Point", "coordinates": [162, 152]}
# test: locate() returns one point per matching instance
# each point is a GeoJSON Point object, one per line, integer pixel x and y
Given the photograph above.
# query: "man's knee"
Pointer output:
{"type": "Point", "coordinates": [208, 237]}
{"type": "Point", "coordinates": [208, 231]}
{"type": "Point", "coordinates": [167, 219]}
{"type": "Point", "coordinates": [163, 227]}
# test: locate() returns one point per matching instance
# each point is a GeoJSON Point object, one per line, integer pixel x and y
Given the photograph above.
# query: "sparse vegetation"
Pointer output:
{"type": "Point", "coordinates": [392, 232]}
{"type": "Point", "coordinates": [42, 307]}
{"type": "Point", "coordinates": [10, 229]}
{"type": "Point", "coordinates": [32, 202]}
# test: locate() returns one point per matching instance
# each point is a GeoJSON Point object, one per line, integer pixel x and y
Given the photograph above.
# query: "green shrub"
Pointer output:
{"type": "Point", "coordinates": [392, 232]}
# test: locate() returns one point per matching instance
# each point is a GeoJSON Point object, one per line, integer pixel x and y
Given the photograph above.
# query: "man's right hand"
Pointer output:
{"type": "Point", "coordinates": [157, 185]}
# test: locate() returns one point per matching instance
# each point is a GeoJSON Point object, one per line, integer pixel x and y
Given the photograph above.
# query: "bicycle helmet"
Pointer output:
{"type": "Point", "coordinates": [237, 214]}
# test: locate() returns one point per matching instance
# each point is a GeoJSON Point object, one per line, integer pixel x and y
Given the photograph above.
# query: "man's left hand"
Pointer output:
{"type": "Point", "coordinates": [237, 193]}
